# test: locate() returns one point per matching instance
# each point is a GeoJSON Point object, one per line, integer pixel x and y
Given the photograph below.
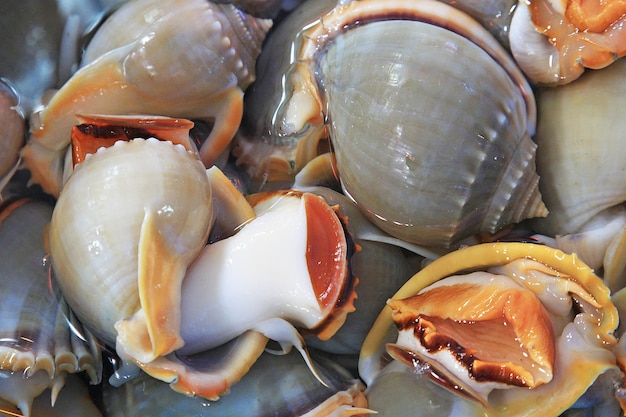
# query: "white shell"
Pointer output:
{"type": "Point", "coordinates": [97, 221]}
{"type": "Point", "coordinates": [175, 58]}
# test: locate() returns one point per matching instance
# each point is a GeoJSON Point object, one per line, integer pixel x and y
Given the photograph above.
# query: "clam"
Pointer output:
{"type": "Point", "coordinates": [13, 132]}
{"type": "Point", "coordinates": [41, 342]}
{"type": "Point", "coordinates": [189, 59]}
{"type": "Point", "coordinates": [554, 41]}
{"type": "Point", "coordinates": [275, 385]}
{"type": "Point", "coordinates": [509, 328]}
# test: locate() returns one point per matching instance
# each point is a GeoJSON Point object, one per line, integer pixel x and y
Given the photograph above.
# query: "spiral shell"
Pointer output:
{"type": "Point", "coordinates": [102, 214]}
{"type": "Point", "coordinates": [174, 58]}
{"type": "Point", "coordinates": [13, 132]}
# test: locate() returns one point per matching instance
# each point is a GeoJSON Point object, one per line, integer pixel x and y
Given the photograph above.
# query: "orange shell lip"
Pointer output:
{"type": "Point", "coordinates": [98, 131]}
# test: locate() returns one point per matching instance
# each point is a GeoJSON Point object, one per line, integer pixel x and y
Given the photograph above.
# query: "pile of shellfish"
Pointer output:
{"type": "Point", "coordinates": [313, 208]}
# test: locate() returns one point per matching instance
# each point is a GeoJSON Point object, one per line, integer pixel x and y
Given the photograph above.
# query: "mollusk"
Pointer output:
{"type": "Point", "coordinates": [421, 127]}
{"type": "Point", "coordinates": [534, 344]}
{"type": "Point", "coordinates": [13, 132]}
{"type": "Point", "coordinates": [380, 266]}
{"type": "Point", "coordinates": [41, 343]}
{"type": "Point", "coordinates": [73, 401]}
{"type": "Point", "coordinates": [554, 41]}
{"type": "Point", "coordinates": [137, 211]}
{"type": "Point", "coordinates": [274, 386]}
{"type": "Point", "coordinates": [587, 212]}
{"type": "Point", "coordinates": [231, 291]}
{"type": "Point", "coordinates": [579, 124]}
{"type": "Point", "coordinates": [189, 59]}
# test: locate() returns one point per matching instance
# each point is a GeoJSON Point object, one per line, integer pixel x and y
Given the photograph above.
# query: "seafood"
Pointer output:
{"type": "Point", "coordinates": [13, 132]}
{"type": "Point", "coordinates": [380, 266]}
{"type": "Point", "coordinates": [135, 218]}
{"type": "Point", "coordinates": [231, 286]}
{"type": "Point", "coordinates": [275, 385]}
{"type": "Point", "coordinates": [177, 58]}
{"type": "Point", "coordinates": [587, 211]}
{"type": "Point", "coordinates": [135, 209]}
{"type": "Point", "coordinates": [451, 131]}
{"type": "Point", "coordinates": [553, 42]}
{"type": "Point", "coordinates": [73, 401]}
{"type": "Point", "coordinates": [41, 343]}
{"type": "Point", "coordinates": [495, 359]}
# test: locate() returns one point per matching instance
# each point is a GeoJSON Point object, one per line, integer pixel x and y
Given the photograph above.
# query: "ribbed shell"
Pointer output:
{"type": "Point", "coordinates": [175, 58]}
{"type": "Point", "coordinates": [97, 220]}
{"type": "Point", "coordinates": [431, 134]}
{"type": "Point", "coordinates": [37, 330]}
{"type": "Point", "coordinates": [581, 157]}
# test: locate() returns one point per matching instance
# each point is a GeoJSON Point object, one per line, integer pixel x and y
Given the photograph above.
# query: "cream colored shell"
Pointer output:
{"type": "Point", "coordinates": [97, 224]}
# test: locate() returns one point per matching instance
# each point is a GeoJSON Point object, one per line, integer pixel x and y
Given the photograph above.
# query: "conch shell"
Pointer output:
{"type": "Point", "coordinates": [516, 328]}
{"type": "Point", "coordinates": [135, 209]}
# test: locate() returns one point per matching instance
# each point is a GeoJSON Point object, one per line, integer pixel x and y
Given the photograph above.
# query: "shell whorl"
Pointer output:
{"type": "Point", "coordinates": [420, 126]}
{"type": "Point", "coordinates": [96, 224]}
{"type": "Point", "coordinates": [245, 34]}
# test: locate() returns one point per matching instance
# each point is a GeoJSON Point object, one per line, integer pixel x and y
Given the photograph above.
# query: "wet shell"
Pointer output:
{"type": "Point", "coordinates": [275, 386]}
{"type": "Point", "coordinates": [579, 124]}
{"type": "Point", "coordinates": [97, 225]}
{"type": "Point", "coordinates": [555, 41]}
{"type": "Point", "coordinates": [41, 342]}
{"type": "Point", "coordinates": [175, 58]}
{"type": "Point", "coordinates": [580, 312]}
{"type": "Point", "coordinates": [432, 153]}
{"type": "Point", "coordinates": [380, 267]}
{"type": "Point", "coordinates": [13, 131]}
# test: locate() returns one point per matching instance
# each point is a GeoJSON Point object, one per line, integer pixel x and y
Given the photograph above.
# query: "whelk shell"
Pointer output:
{"type": "Point", "coordinates": [576, 301]}
{"type": "Point", "coordinates": [13, 132]}
{"type": "Point", "coordinates": [418, 126]}
{"type": "Point", "coordinates": [41, 342]}
{"type": "Point", "coordinates": [275, 385]}
{"type": "Point", "coordinates": [176, 58]}
{"type": "Point", "coordinates": [114, 198]}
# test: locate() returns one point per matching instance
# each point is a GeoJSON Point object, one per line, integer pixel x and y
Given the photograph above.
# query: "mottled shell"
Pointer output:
{"type": "Point", "coordinates": [581, 149]}
{"type": "Point", "coordinates": [431, 152]}
{"type": "Point", "coordinates": [41, 342]}
{"type": "Point", "coordinates": [97, 224]}
{"type": "Point", "coordinates": [584, 349]}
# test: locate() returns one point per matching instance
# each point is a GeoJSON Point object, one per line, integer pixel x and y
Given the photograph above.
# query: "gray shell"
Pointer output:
{"type": "Point", "coordinates": [432, 140]}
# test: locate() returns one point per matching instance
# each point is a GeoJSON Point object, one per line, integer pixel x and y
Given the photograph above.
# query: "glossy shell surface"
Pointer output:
{"type": "Point", "coordinates": [97, 224]}
{"type": "Point", "coordinates": [584, 336]}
